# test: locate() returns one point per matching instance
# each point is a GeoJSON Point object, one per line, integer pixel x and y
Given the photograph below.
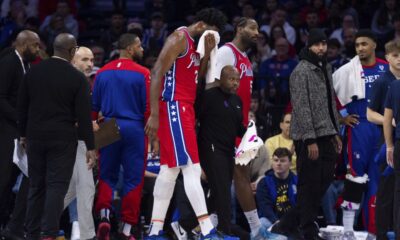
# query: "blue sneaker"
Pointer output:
{"type": "Point", "coordinates": [215, 235]}
{"type": "Point", "coordinates": [263, 233]}
{"type": "Point", "coordinates": [161, 236]}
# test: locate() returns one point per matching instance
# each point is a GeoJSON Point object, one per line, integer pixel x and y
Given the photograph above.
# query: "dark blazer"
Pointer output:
{"type": "Point", "coordinates": [11, 75]}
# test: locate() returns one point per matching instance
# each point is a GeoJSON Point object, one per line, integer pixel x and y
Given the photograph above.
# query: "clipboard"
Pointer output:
{"type": "Point", "coordinates": [107, 134]}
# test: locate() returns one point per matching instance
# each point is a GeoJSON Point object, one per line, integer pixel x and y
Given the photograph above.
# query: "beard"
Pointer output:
{"type": "Point", "coordinates": [28, 56]}
{"type": "Point", "coordinates": [248, 42]}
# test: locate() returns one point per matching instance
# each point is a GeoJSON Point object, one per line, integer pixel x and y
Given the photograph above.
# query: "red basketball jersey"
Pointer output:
{"type": "Point", "coordinates": [179, 83]}
{"type": "Point", "coordinates": [243, 65]}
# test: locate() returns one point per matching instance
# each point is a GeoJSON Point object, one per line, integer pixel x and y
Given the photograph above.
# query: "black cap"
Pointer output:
{"type": "Point", "coordinates": [366, 33]}
{"type": "Point", "coordinates": [316, 35]}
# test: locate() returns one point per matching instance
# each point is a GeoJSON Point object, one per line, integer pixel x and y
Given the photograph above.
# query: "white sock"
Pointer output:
{"type": "Point", "coordinates": [75, 232]}
{"type": "Point", "coordinates": [105, 213]}
{"type": "Point", "coordinates": [214, 219]}
{"type": "Point", "coordinates": [155, 227]}
{"type": "Point", "coordinates": [127, 229]}
{"type": "Point", "coordinates": [205, 225]}
{"type": "Point", "coordinates": [253, 220]}
{"type": "Point", "coordinates": [348, 220]}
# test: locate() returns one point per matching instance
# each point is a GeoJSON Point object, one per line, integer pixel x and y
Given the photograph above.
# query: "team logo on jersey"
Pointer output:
{"type": "Point", "coordinates": [195, 60]}
{"type": "Point", "coordinates": [381, 68]}
{"type": "Point", "coordinates": [245, 71]}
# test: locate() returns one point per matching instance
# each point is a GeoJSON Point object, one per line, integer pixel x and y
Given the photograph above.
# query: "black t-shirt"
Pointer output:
{"type": "Point", "coordinates": [379, 91]}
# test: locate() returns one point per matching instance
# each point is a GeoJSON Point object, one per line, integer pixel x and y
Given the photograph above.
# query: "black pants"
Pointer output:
{"type": "Point", "coordinates": [50, 166]}
{"type": "Point", "coordinates": [9, 171]}
{"type": "Point", "coordinates": [17, 221]}
{"type": "Point", "coordinates": [396, 204]}
{"type": "Point", "coordinates": [314, 178]}
{"type": "Point", "coordinates": [384, 205]}
{"type": "Point", "coordinates": [218, 166]}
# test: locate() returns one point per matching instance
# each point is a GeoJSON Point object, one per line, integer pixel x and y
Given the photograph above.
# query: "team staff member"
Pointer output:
{"type": "Point", "coordinates": [13, 66]}
{"type": "Point", "coordinates": [220, 123]}
{"type": "Point", "coordinates": [49, 105]}
{"type": "Point", "coordinates": [234, 53]}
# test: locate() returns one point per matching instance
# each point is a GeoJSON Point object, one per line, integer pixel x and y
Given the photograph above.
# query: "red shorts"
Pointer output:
{"type": "Point", "coordinates": [178, 142]}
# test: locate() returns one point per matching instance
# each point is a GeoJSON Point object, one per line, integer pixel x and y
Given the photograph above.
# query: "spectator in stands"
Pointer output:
{"type": "Point", "coordinates": [333, 54]}
{"type": "Point", "coordinates": [349, 21]}
{"type": "Point", "coordinates": [263, 48]}
{"type": "Point", "coordinates": [109, 38]}
{"type": "Point", "coordinates": [249, 10]}
{"type": "Point", "coordinates": [55, 27]}
{"type": "Point", "coordinates": [276, 192]}
{"type": "Point", "coordinates": [63, 12]}
{"type": "Point", "coordinates": [382, 21]}
{"type": "Point", "coordinates": [269, 7]}
{"type": "Point", "coordinates": [395, 34]}
{"type": "Point", "coordinates": [98, 53]}
{"type": "Point", "coordinates": [277, 70]}
{"type": "Point", "coordinates": [349, 38]}
{"type": "Point", "coordinates": [279, 17]}
{"type": "Point", "coordinates": [311, 21]}
{"type": "Point", "coordinates": [13, 22]}
{"type": "Point", "coordinates": [282, 140]}
{"type": "Point", "coordinates": [154, 37]}
{"type": "Point", "coordinates": [317, 6]}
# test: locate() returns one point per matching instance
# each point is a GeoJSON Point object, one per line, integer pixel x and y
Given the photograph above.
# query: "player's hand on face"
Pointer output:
{"type": "Point", "coordinates": [351, 120]}
{"type": "Point", "coordinates": [209, 43]}
{"type": "Point", "coordinates": [151, 127]}
{"type": "Point", "coordinates": [313, 152]}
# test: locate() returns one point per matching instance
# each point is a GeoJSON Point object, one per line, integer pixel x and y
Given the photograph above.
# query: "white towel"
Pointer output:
{"type": "Point", "coordinates": [348, 81]}
{"type": "Point", "coordinates": [213, 54]}
{"type": "Point", "coordinates": [249, 145]}
{"type": "Point", "coordinates": [20, 159]}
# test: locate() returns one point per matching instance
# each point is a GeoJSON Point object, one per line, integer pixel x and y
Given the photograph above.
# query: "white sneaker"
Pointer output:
{"type": "Point", "coordinates": [349, 236]}
{"type": "Point", "coordinates": [180, 233]}
{"type": "Point", "coordinates": [75, 233]}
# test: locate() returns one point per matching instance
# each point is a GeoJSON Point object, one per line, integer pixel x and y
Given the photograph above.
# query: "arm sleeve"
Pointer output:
{"type": "Point", "coordinates": [82, 112]}
{"type": "Point", "coordinates": [301, 105]}
{"type": "Point", "coordinates": [23, 106]}
{"type": "Point", "coordinates": [7, 74]}
{"type": "Point", "coordinates": [264, 202]}
{"type": "Point", "coordinates": [224, 57]}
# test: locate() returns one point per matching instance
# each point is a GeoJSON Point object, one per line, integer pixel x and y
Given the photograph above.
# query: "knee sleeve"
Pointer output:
{"type": "Point", "coordinates": [165, 183]}
{"type": "Point", "coordinates": [354, 188]}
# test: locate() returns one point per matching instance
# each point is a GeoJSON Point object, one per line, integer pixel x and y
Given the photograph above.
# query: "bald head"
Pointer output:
{"type": "Point", "coordinates": [65, 46]}
{"type": "Point", "coordinates": [230, 79]}
{"type": "Point", "coordinates": [27, 44]}
{"type": "Point", "coordinates": [83, 60]}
